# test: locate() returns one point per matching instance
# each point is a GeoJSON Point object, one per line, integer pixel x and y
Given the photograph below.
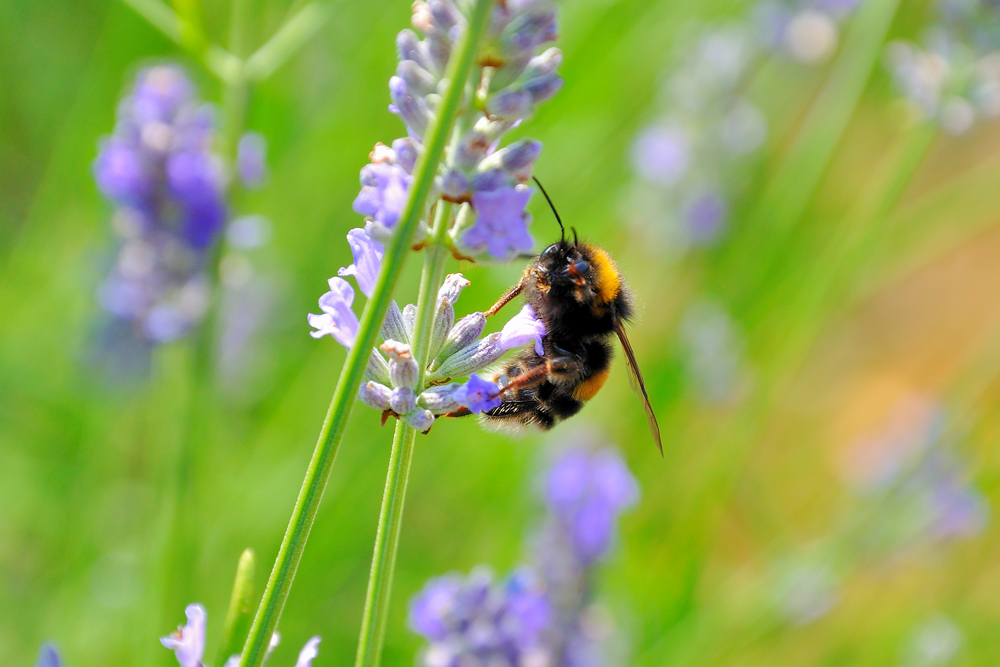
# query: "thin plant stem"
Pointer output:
{"type": "Point", "coordinates": [318, 473]}
{"type": "Point", "coordinates": [390, 520]}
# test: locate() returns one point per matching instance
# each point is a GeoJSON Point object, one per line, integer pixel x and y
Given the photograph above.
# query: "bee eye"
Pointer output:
{"type": "Point", "coordinates": [549, 252]}
{"type": "Point", "coordinates": [582, 267]}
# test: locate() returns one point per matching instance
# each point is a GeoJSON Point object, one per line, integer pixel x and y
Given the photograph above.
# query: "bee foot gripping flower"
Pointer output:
{"type": "Point", "coordinates": [478, 395]}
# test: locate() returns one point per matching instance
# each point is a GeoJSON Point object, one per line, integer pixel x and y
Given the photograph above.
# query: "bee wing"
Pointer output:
{"type": "Point", "coordinates": [638, 386]}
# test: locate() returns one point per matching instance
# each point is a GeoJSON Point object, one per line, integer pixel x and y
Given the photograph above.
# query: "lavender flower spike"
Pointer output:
{"type": "Point", "coordinates": [585, 493]}
{"type": "Point", "coordinates": [522, 328]}
{"type": "Point", "coordinates": [367, 260]}
{"type": "Point", "coordinates": [337, 320]}
{"type": "Point", "coordinates": [188, 643]}
{"type": "Point", "coordinates": [501, 225]}
{"type": "Point", "coordinates": [478, 395]}
{"type": "Point", "coordinates": [476, 621]}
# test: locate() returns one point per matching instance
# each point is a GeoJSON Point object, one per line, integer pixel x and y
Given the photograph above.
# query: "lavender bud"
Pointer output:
{"type": "Point", "coordinates": [406, 154]}
{"type": "Point", "coordinates": [403, 369]}
{"type": "Point", "coordinates": [412, 109]}
{"type": "Point", "coordinates": [402, 400]}
{"type": "Point", "coordinates": [422, 18]}
{"type": "Point", "coordinates": [444, 319]}
{"type": "Point", "coordinates": [471, 149]}
{"type": "Point", "coordinates": [471, 358]}
{"type": "Point", "coordinates": [416, 77]}
{"type": "Point", "coordinates": [467, 330]}
{"type": "Point", "coordinates": [393, 327]}
{"type": "Point", "coordinates": [409, 48]}
{"type": "Point", "coordinates": [377, 369]}
{"type": "Point", "coordinates": [443, 13]}
{"type": "Point", "coordinates": [421, 420]}
{"type": "Point", "coordinates": [440, 399]}
{"type": "Point", "coordinates": [409, 317]}
{"type": "Point", "coordinates": [489, 180]}
{"type": "Point", "coordinates": [520, 154]}
{"type": "Point", "coordinates": [509, 104]}
{"type": "Point", "coordinates": [439, 49]}
{"type": "Point", "coordinates": [454, 184]}
{"type": "Point", "coordinates": [452, 288]}
{"type": "Point", "coordinates": [375, 395]}
{"type": "Point", "coordinates": [544, 63]}
{"type": "Point", "coordinates": [544, 87]}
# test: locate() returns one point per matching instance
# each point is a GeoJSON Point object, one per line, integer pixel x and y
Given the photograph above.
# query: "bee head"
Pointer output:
{"type": "Point", "coordinates": [579, 271]}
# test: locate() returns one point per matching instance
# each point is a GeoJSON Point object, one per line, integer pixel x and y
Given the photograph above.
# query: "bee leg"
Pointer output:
{"type": "Point", "coordinates": [507, 297]}
{"type": "Point", "coordinates": [565, 368]}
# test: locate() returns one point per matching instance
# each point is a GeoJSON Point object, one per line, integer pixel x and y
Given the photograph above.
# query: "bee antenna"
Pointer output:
{"type": "Point", "coordinates": [551, 205]}
{"type": "Point", "coordinates": [576, 241]}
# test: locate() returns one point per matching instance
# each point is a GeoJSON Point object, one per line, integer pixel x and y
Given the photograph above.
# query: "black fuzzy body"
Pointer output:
{"type": "Point", "coordinates": [581, 312]}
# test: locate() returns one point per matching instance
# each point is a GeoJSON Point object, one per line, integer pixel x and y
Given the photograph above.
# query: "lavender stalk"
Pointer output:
{"type": "Point", "coordinates": [318, 472]}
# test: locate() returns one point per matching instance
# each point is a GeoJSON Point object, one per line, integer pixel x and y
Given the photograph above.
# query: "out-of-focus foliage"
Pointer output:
{"type": "Point", "coordinates": [825, 371]}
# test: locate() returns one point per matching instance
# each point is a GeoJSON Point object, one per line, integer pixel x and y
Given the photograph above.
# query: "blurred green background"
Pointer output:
{"type": "Point", "coordinates": [122, 501]}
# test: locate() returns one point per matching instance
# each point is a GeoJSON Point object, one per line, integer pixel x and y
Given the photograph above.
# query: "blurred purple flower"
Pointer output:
{"type": "Point", "coordinates": [48, 656]}
{"type": "Point", "coordinates": [705, 216]}
{"type": "Point", "coordinates": [160, 92]}
{"type": "Point", "coordinates": [121, 173]}
{"type": "Point", "coordinates": [475, 621]}
{"type": "Point", "coordinates": [251, 159]}
{"type": "Point", "coordinates": [337, 320]}
{"type": "Point", "coordinates": [170, 189]}
{"type": "Point", "coordinates": [501, 225]}
{"type": "Point", "coordinates": [478, 395]}
{"type": "Point", "coordinates": [661, 154]}
{"type": "Point", "coordinates": [367, 255]}
{"type": "Point", "coordinates": [523, 328]}
{"type": "Point", "coordinates": [585, 494]}
{"type": "Point", "coordinates": [383, 193]}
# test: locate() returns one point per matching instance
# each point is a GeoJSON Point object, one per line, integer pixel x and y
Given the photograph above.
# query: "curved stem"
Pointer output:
{"type": "Point", "coordinates": [318, 472]}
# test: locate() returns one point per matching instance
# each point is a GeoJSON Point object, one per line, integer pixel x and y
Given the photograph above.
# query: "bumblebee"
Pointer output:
{"type": "Point", "coordinates": [578, 292]}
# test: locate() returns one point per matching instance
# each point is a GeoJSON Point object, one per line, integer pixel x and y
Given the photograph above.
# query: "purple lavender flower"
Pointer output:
{"type": "Point", "coordinates": [661, 154]}
{"type": "Point", "coordinates": [705, 216]}
{"type": "Point", "coordinates": [501, 222]}
{"type": "Point", "coordinates": [476, 621]}
{"type": "Point", "coordinates": [251, 159]}
{"type": "Point", "coordinates": [169, 187]}
{"type": "Point", "coordinates": [383, 194]}
{"type": "Point", "coordinates": [188, 643]}
{"type": "Point", "coordinates": [523, 328]}
{"type": "Point", "coordinates": [478, 395]}
{"type": "Point", "coordinates": [48, 656]}
{"type": "Point", "coordinates": [585, 494]}
{"type": "Point", "coordinates": [121, 173]}
{"type": "Point", "coordinates": [337, 320]}
{"type": "Point", "coordinates": [367, 255]}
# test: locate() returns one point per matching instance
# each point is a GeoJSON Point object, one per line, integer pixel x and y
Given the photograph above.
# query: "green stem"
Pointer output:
{"type": "Point", "coordinates": [318, 472]}
{"type": "Point", "coordinates": [390, 520]}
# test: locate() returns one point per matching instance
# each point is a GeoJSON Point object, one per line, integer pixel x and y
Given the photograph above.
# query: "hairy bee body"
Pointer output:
{"type": "Point", "coordinates": [578, 292]}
